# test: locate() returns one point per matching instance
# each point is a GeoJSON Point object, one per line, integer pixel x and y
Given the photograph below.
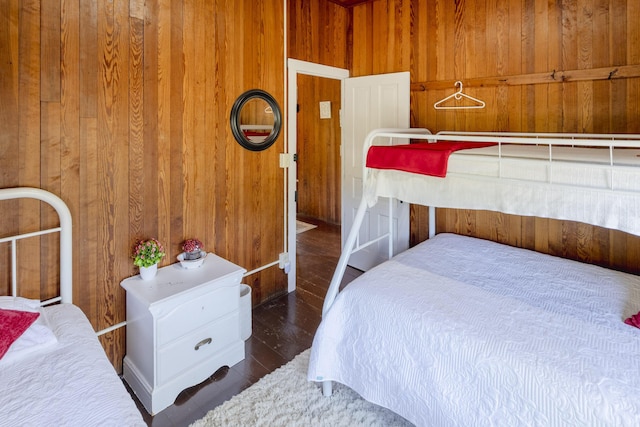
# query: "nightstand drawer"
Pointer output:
{"type": "Point", "coordinates": [204, 343]}
{"type": "Point", "coordinates": [196, 313]}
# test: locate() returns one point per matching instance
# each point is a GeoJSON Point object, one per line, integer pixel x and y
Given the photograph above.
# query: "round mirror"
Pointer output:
{"type": "Point", "coordinates": [256, 120]}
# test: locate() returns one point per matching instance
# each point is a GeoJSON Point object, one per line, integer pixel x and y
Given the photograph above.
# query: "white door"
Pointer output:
{"type": "Point", "coordinates": [371, 102]}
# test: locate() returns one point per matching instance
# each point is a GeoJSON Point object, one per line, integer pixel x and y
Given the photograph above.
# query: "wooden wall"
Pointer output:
{"type": "Point", "coordinates": [319, 31]}
{"type": "Point", "coordinates": [122, 108]}
{"type": "Point", "coordinates": [541, 66]}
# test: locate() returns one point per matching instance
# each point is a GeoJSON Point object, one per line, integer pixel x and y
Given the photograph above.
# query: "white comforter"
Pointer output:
{"type": "Point", "coordinates": [71, 383]}
{"type": "Point", "coordinates": [461, 331]}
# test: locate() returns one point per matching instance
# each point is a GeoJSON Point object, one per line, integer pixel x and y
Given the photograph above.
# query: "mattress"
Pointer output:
{"type": "Point", "coordinates": [462, 331]}
{"type": "Point", "coordinates": [578, 185]}
{"type": "Point", "coordinates": [71, 383]}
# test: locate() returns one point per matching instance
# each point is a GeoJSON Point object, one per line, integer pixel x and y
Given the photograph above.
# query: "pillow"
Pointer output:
{"type": "Point", "coordinates": [633, 320]}
{"type": "Point", "coordinates": [19, 303]}
{"type": "Point", "coordinates": [37, 336]}
{"type": "Point", "coordinates": [13, 324]}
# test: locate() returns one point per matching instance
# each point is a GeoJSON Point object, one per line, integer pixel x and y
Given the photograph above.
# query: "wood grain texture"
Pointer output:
{"type": "Point", "coordinates": [50, 176]}
{"type": "Point", "coordinates": [569, 66]}
{"type": "Point", "coordinates": [320, 32]}
{"type": "Point", "coordinates": [9, 115]}
{"type": "Point", "coordinates": [122, 108]}
{"type": "Point", "coordinates": [69, 127]}
{"type": "Point", "coordinates": [87, 220]}
{"type": "Point", "coordinates": [481, 40]}
{"type": "Point", "coordinates": [88, 40]}
{"type": "Point", "coordinates": [28, 142]}
{"type": "Point", "coordinates": [350, 3]}
{"type": "Point", "coordinates": [50, 51]}
{"type": "Point", "coordinates": [524, 41]}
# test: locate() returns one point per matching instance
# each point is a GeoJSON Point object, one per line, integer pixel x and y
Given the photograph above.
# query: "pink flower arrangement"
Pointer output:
{"type": "Point", "coordinates": [147, 253]}
{"type": "Point", "coordinates": [192, 245]}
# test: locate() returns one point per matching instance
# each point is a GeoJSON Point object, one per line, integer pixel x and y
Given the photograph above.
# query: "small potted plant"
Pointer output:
{"type": "Point", "coordinates": [192, 249]}
{"type": "Point", "coordinates": [146, 255]}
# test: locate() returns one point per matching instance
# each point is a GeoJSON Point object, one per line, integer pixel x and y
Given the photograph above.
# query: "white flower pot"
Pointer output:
{"type": "Point", "coordinates": [148, 273]}
{"type": "Point", "coordinates": [193, 255]}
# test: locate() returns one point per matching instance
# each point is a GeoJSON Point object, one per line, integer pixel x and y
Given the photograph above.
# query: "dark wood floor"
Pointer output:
{"type": "Point", "coordinates": [282, 328]}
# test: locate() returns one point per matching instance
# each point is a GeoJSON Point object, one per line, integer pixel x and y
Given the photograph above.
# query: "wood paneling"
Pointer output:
{"type": "Point", "coordinates": [318, 149]}
{"type": "Point", "coordinates": [482, 40]}
{"type": "Point", "coordinates": [122, 108]}
{"type": "Point", "coordinates": [507, 48]}
{"type": "Point", "coordinates": [320, 32]}
{"type": "Point", "coordinates": [349, 3]}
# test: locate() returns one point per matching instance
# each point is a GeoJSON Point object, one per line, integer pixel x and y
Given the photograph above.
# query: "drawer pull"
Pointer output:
{"type": "Point", "coordinates": [203, 342]}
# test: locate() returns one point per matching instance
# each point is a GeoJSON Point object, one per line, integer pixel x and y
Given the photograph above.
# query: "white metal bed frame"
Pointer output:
{"type": "Point", "coordinates": [352, 243]}
{"type": "Point", "coordinates": [66, 245]}
{"type": "Point", "coordinates": [111, 400]}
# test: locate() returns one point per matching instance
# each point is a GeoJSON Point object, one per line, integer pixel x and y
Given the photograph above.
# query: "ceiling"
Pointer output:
{"type": "Point", "coordinates": [350, 3]}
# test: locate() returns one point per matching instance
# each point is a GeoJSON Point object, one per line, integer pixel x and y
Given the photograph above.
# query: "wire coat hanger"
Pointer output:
{"type": "Point", "coordinates": [459, 95]}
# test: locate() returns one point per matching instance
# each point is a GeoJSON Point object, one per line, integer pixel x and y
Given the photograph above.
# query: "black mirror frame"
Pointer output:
{"type": "Point", "coordinates": [235, 120]}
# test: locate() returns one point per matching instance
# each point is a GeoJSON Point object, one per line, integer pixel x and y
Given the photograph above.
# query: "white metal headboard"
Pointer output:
{"type": "Point", "coordinates": [65, 230]}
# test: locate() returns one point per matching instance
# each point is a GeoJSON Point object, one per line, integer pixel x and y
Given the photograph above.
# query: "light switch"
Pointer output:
{"type": "Point", "coordinates": [325, 109]}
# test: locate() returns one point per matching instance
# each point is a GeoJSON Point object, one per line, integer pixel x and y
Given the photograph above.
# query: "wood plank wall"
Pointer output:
{"type": "Point", "coordinates": [122, 108]}
{"type": "Point", "coordinates": [443, 40]}
{"type": "Point", "coordinates": [319, 31]}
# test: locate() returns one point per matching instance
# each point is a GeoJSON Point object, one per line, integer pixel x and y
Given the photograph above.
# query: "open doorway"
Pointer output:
{"type": "Point", "coordinates": [318, 165]}
{"type": "Point", "coordinates": [368, 102]}
{"type": "Point", "coordinates": [320, 145]}
{"type": "Point", "coordinates": [318, 149]}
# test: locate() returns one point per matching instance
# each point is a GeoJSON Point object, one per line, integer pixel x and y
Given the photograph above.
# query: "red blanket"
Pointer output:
{"type": "Point", "coordinates": [13, 323]}
{"type": "Point", "coordinates": [426, 158]}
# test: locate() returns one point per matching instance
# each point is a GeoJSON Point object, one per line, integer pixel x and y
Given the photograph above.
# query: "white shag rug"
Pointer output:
{"type": "Point", "coordinates": [286, 398]}
{"type": "Point", "coordinates": [302, 226]}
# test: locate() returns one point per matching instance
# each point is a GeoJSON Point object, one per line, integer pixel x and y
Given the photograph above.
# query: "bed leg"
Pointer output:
{"type": "Point", "coordinates": [326, 388]}
{"type": "Point", "coordinates": [432, 221]}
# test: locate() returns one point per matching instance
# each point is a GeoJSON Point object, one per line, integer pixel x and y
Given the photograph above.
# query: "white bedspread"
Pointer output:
{"type": "Point", "coordinates": [71, 383]}
{"type": "Point", "coordinates": [461, 331]}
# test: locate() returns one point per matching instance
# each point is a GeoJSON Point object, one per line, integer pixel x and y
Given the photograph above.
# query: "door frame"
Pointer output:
{"type": "Point", "coordinates": [295, 67]}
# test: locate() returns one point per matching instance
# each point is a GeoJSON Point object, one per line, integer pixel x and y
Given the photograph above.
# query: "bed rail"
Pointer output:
{"type": "Point", "coordinates": [609, 141]}
{"type": "Point", "coordinates": [547, 135]}
{"type": "Point", "coordinates": [65, 230]}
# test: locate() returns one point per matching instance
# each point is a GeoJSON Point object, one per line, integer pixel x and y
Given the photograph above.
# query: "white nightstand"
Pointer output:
{"type": "Point", "coordinates": [182, 326]}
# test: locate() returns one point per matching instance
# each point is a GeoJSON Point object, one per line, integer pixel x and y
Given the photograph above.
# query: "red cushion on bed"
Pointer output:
{"type": "Point", "coordinates": [13, 323]}
{"type": "Point", "coordinates": [633, 320]}
{"type": "Point", "coordinates": [426, 158]}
